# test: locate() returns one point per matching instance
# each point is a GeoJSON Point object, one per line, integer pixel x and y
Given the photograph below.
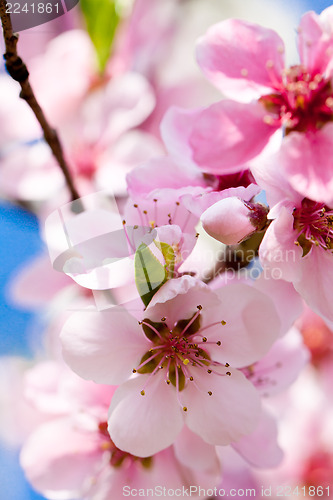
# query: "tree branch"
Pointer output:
{"type": "Point", "coordinates": [19, 72]}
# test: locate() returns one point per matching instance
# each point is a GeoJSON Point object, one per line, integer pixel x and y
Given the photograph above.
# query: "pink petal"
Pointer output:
{"type": "Point", "coordinates": [195, 453]}
{"type": "Point", "coordinates": [278, 251]}
{"type": "Point", "coordinates": [163, 173]}
{"type": "Point", "coordinates": [281, 366]}
{"type": "Point", "coordinates": [176, 129]}
{"type": "Point", "coordinates": [123, 103]}
{"type": "Point", "coordinates": [228, 134]}
{"type": "Point", "coordinates": [307, 161]}
{"type": "Point", "coordinates": [245, 337]}
{"type": "Point", "coordinates": [316, 283]}
{"type": "Point", "coordinates": [261, 448]}
{"type": "Point", "coordinates": [132, 148]}
{"type": "Point", "coordinates": [145, 425]}
{"type": "Point", "coordinates": [37, 283]}
{"type": "Point", "coordinates": [315, 41]}
{"type": "Point", "coordinates": [103, 346]}
{"type": "Point", "coordinates": [61, 456]}
{"type": "Point", "coordinates": [178, 299]}
{"type": "Point", "coordinates": [198, 204]}
{"type": "Point", "coordinates": [241, 59]}
{"type": "Point", "coordinates": [288, 302]}
{"type": "Point", "coordinates": [72, 56]}
{"type": "Point", "coordinates": [231, 412]}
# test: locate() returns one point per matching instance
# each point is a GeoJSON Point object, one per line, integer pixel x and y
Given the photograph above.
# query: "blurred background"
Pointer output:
{"type": "Point", "coordinates": [19, 228]}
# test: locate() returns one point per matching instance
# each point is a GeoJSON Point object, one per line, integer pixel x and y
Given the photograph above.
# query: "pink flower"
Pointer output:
{"type": "Point", "coordinates": [246, 62]}
{"type": "Point", "coordinates": [185, 355]}
{"type": "Point", "coordinates": [297, 245]}
{"type": "Point", "coordinates": [71, 455]}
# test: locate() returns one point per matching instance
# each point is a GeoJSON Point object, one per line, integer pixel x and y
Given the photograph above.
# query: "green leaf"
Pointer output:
{"type": "Point", "coordinates": [169, 256]}
{"type": "Point", "coordinates": [102, 18]}
{"type": "Point", "coordinates": [150, 274]}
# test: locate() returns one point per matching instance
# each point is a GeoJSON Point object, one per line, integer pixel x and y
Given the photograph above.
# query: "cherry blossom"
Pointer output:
{"type": "Point", "coordinates": [70, 453]}
{"type": "Point", "coordinates": [246, 62]}
{"type": "Point", "coordinates": [178, 365]}
{"type": "Point", "coordinates": [297, 243]}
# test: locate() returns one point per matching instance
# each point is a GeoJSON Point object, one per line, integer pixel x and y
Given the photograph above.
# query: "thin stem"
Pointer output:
{"type": "Point", "coordinates": [19, 72]}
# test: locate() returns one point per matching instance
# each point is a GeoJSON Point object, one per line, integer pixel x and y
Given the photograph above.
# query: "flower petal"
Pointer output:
{"type": "Point", "coordinates": [245, 337]}
{"type": "Point", "coordinates": [231, 412]}
{"type": "Point", "coordinates": [195, 453]}
{"type": "Point", "coordinates": [145, 425]}
{"type": "Point", "coordinates": [261, 448]}
{"type": "Point", "coordinates": [228, 134]}
{"type": "Point", "coordinates": [241, 59]}
{"type": "Point", "coordinates": [316, 283]}
{"type": "Point", "coordinates": [278, 250]}
{"type": "Point", "coordinates": [61, 456]}
{"type": "Point", "coordinates": [307, 161]}
{"type": "Point", "coordinates": [178, 299]}
{"type": "Point", "coordinates": [103, 346]}
{"type": "Point", "coordinates": [315, 41]}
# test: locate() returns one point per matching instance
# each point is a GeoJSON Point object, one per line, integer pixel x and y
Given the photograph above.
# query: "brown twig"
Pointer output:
{"type": "Point", "coordinates": [18, 71]}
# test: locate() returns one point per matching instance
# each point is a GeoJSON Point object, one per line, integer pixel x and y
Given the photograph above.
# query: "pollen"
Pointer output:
{"type": "Point", "coordinates": [269, 64]}
{"type": "Point", "coordinates": [268, 120]}
{"type": "Point", "coordinates": [244, 72]}
{"type": "Point", "coordinates": [186, 361]}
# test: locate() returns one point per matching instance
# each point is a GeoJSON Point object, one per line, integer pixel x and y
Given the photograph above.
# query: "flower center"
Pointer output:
{"type": "Point", "coordinates": [117, 456]}
{"type": "Point", "coordinates": [302, 102]}
{"type": "Point", "coordinates": [314, 224]}
{"type": "Point", "coordinates": [180, 352]}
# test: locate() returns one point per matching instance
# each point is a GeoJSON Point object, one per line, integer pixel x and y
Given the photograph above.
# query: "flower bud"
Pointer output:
{"type": "Point", "coordinates": [232, 220]}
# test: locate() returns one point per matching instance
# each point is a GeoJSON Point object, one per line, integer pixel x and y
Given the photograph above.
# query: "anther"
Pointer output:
{"type": "Point", "coordinates": [199, 307]}
{"type": "Point", "coordinates": [191, 379]}
{"type": "Point", "coordinates": [168, 382]}
{"type": "Point", "coordinates": [228, 373]}
{"type": "Point", "coordinates": [204, 339]}
{"type": "Point", "coordinates": [135, 205]}
{"type": "Point", "coordinates": [223, 322]}
{"type": "Point", "coordinates": [134, 370]}
{"type": "Point", "coordinates": [142, 393]}
{"type": "Point", "coordinates": [218, 343]}
{"type": "Point", "coordinates": [185, 408]}
{"type": "Point", "coordinates": [210, 393]}
{"type": "Point", "coordinates": [209, 371]}
{"type": "Point", "coordinates": [227, 365]}
{"type": "Point", "coordinates": [124, 222]}
{"type": "Point", "coordinates": [163, 319]}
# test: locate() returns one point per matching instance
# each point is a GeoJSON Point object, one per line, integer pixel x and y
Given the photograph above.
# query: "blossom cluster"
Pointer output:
{"type": "Point", "coordinates": [187, 297]}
